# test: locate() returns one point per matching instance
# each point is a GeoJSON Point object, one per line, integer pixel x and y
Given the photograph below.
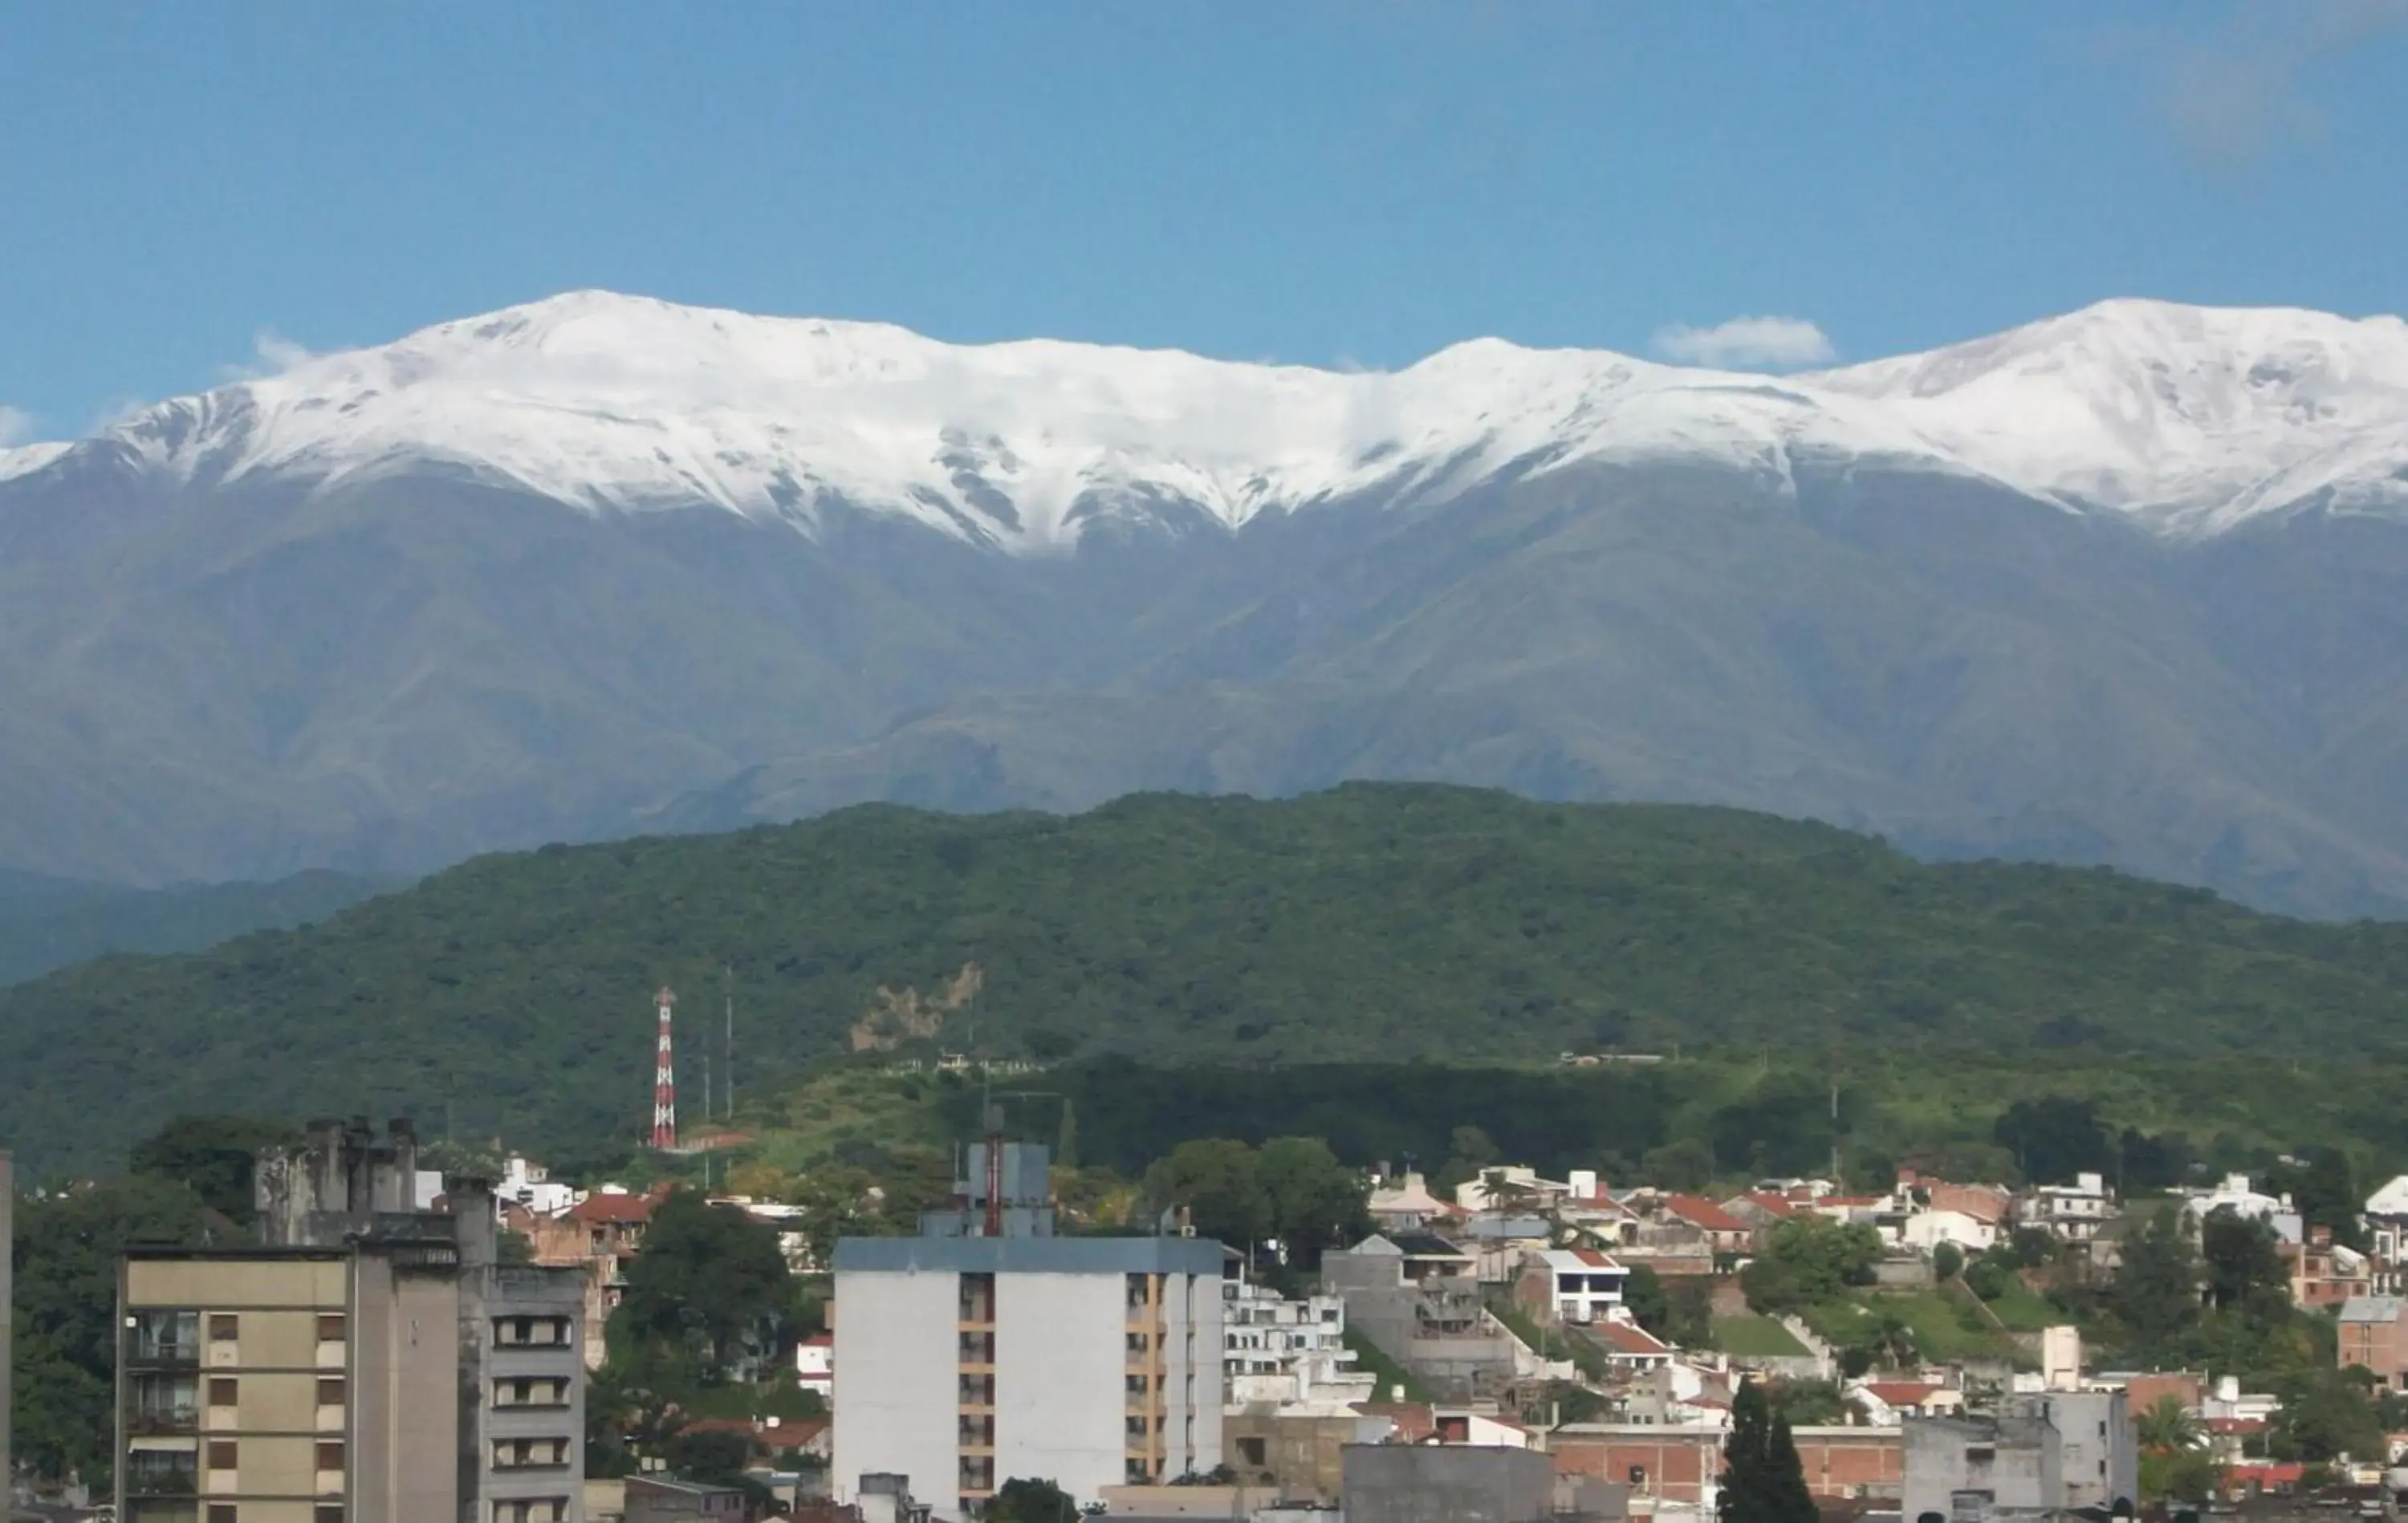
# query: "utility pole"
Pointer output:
{"type": "Point", "coordinates": [728, 1046]}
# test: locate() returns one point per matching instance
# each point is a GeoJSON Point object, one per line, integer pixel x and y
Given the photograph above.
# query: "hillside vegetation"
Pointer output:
{"type": "Point", "coordinates": [48, 924]}
{"type": "Point", "coordinates": [1389, 922]}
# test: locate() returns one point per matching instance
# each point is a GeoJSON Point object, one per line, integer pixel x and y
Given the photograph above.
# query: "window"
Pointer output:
{"type": "Point", "coordinates": [331, 1327]}
{"type": "Point", "coordinates": [329, 1512]}
{"type": "Point", "coordinates": [222, 1512]}
{"type": "Point", "coordinates": [1253, 1451]}
{"type": "Point", "coordinates": [165, 1337]}
{"type": "Point", "coordinates": [169, 1473]}
{"type": "Point", "coordinates": [225, 1390]}
{"type": "Point", "coordinates": [163, 1403]}
{"type": "Point", "coordinates": [330, 1390]}
{"type": "Point", "coordinates": [224, 1327]}
{"type": "Point", "coordinates": [330, 1454]}
{"type": "Point", "coordinates": [222, 1454]}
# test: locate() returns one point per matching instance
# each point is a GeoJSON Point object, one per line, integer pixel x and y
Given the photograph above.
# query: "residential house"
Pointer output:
{"type": "Point", "coordinates": [2074, 1213]}
{"type": "Point", "coordinates": [599, 1234]}
{"type": "Point", "coordinates": [1580, 1285]}
{"type": "Point", "coordinates": [1887, 1403]}
{"type": "Point", "coordinates": [2235, 1192]}
{"type": "Point", "coordinates": [2326, 1275]}
{"type": "Point", "coordinates": [1417, 1297]}
{"type": "Point", "coordinates": [1722, 1233]}
{"type": "Point", "coordinates": [1630, 1349]}
{"type": "Point", "coordinates": [2374, 1333]}
{"type": "Point", "coordinates": [815, 1365]}
{"type": "Point", "coordinates": [2386, 1220]}
{"type": "Point", "coordinates": [1407, 1205]}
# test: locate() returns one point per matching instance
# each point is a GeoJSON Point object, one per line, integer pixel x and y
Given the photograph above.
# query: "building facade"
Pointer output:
{"type": "Point", "coordinates": [973, 1356]}
{"type": "Point", "coordinates": [368, 1362]}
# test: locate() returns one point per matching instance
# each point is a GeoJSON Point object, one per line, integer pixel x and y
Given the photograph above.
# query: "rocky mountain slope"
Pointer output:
{"type": "Point", "coordinates": [2122, 586]}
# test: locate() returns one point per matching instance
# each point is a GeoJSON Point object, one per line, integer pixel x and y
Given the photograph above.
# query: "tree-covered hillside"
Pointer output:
{"type": "Point", "coordinates": [48, 924]}
{"type": "Point", "coordinates": [1392, 923]}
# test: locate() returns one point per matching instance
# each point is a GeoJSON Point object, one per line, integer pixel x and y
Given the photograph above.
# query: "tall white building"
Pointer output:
{"type": "Point", "coordinates": [988, 1349]}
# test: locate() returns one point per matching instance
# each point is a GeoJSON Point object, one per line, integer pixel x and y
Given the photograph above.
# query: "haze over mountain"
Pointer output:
{"type": "Point", "coordinates": [2121, 586]}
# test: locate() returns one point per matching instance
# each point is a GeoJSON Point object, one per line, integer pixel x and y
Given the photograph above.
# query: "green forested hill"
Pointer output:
{"type": "Point", "coordinates": [49, 923]}
{"type": "Point", "coordinates": [513, 993]}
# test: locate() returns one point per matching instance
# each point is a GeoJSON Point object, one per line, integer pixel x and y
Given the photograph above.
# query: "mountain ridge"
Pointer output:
{"type": "Point", "coordinates": [2173, 414]}
{"type": "Point", "coordinates": [251, 632]}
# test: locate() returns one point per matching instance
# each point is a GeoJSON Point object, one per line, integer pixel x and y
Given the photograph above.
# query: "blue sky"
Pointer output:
{"type": "Point", "coordinates": [1326, 181]}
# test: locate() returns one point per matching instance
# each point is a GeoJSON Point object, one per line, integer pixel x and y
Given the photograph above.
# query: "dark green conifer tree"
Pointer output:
{"type": "Point", "coordinates": [1763, 1481]}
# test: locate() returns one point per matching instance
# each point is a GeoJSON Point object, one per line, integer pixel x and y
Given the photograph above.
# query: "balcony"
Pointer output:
{"type": "Point", "coordinates": [163, 1472]}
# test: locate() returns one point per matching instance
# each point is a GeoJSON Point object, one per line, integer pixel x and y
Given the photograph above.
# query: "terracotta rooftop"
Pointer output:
{"type": "Point", "coordinates": [1699, 1211]}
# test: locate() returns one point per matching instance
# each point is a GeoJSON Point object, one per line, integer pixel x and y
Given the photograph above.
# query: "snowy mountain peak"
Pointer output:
{"type": "Point", "coordinates": [2189, 418]}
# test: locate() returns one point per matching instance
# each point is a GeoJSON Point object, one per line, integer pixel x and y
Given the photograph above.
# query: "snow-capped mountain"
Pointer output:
{"type": "Point", "coordinates": [2190, 419]}
{"type": "Point", "coordinates": [602, 563]}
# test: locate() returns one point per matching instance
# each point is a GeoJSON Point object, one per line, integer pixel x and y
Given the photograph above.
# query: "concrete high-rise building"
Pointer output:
{"type": "Point", "coordinates": [987, 1349]}
{"type": "Point", "coordinates": [366, 1362]}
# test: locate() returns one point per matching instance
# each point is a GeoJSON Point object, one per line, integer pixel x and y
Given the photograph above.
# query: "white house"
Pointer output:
{"type": "Point", "coordinates": [2244, 1200]}
{"type": "Point", "coordinates": [2073, 1212]}
{"type": "Point", "coordinates": [1584, 1285]}
{"type": "Point", "coordinates": [815, 1365]}
{"type": "Point", "coordinates": [531, 1185]}
{"type": "Point", "coordinates": [1274, 1349]}
{"type": "Point", "coordinates": [1926, 1229]}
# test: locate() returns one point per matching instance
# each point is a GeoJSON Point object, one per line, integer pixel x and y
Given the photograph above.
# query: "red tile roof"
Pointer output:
{"type": "Point", "coordinates": [1699, 1211]}
{"type": "Point", "coordinates": [1594, 1259]}
{"type": "Point", "coordinates": [1628, 1338]}
{"type": "Point", "coordinates": [1778, 1204]}
{"type": "Point", "coordinates": [1901, 1392]}
{"type": "Point", "coordinates": [600, 1207]}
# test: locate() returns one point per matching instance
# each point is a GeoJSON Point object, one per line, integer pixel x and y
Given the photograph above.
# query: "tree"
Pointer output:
{"type": "Point", "coordinates": [1020, 1501]}
{"type": "Point", "coordinates": [713, 1456]}
{"type": "Point", "coordinates": [1762, 1481]}
{"type": "Point", "coordinates": [1065, 1137]}
{"type": "Point", "coordinates": [2054, 1138]}
{"type": "Point", "coordinates": [1643, 1297]}
{"type": "Point", "coordinates": [1214, 1179]}
{"type": "Point", "coordinates": [1947, 1260]}
{"type": "Point", "coordinates": [215, 1155]}
{"type": "Point", "coordinates": [1807, 1403]}
{"type": "Point", "coordinates": [2324, 1416]}
{"type": "Point", "coordinates": [1471, 1151]}
{"type": "Point", "coordinates": [2167, 1425]}
{"type": "Point", "coordinates": [2155, 1290]}
{"type": "Point", "coordinates": [1312, 1201]}
{"type": "Point", "coordinates": [1809, 1260]}
{"type": "Point", "coordinates": [835, 1202]}
{"type": "Point", "coordinates": [2241, 1259]}
{"type": "Point", "coordinates": [710, 1283]}
{"type": "Point", "coordinates": [1685, 1163]}
{"type": "Point", "coordinates": [66, 1247]}
{"type": "Point", "coordinates": [2327, 1196]}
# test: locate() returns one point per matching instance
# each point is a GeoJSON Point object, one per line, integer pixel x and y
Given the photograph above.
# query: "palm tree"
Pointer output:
{"type": "Point", "coordinates": [2166, 1427]}
{"type": "Point", "coordinates": [1892, 1340]}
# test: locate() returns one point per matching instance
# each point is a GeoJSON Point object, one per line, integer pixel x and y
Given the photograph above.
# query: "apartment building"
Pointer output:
{"type": "Point", "coordinates": [987, 1347]}
{"type": "Point", "coordinates": [367, 1362]}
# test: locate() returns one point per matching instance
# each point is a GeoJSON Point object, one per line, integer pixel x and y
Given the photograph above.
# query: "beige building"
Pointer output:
{"type": "Point", "coordinates": [371, 1364]}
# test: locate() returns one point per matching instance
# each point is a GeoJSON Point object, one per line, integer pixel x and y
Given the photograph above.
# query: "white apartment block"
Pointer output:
{"type": "Point", "coordinates": [1278, 1350]}
{"type": "Point", "coordinates": [971, 1357]}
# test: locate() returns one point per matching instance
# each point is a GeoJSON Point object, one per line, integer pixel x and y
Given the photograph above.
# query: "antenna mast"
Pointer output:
{"type": "Point", "coordinates": [663, 1077]}
{"type": "Point", "coordinates": [727, 1047]}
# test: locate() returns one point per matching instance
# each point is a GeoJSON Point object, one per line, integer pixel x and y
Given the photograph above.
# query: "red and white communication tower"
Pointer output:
{"type": "Point", "coordinates": [665, 1078]}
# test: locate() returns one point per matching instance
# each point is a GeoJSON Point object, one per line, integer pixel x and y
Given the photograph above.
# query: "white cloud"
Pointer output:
{"type": "Point", "coordinates": [2238, 89]}
{"type": "Point", "coordinates": [16, 425]}
{"type": "Point", "coordinates": [272, 354]}
{"type": "Point", "coordinates": [1745, 344]}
